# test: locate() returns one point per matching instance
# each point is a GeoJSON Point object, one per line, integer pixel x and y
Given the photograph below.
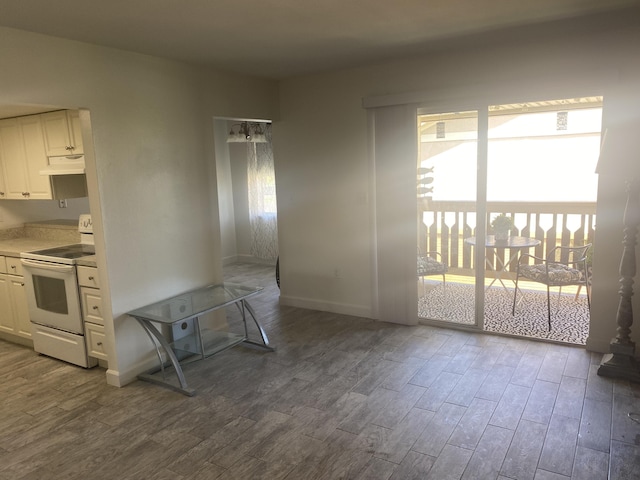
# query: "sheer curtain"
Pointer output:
{"type": "Point", "coordinates": [263, 213]}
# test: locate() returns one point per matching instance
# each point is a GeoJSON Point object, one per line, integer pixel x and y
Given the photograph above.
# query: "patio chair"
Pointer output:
{"type": "Point", "coordinates": [430, 263]}
{"type": "Point", "coordinates": [564, 266]}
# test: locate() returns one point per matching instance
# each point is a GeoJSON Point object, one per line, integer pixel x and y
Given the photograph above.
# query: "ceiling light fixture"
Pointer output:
{"type": "Point", "coordinates": [253, 132]}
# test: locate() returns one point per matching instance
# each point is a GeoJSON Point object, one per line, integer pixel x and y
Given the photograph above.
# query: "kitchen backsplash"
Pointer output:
{"type": "Point", "coordinates": [59, 230]}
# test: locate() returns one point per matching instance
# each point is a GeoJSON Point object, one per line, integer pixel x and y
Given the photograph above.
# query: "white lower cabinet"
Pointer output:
{"type": "Point", "coordinates": [96, 340]}
{"type": "Point", "coordinates": [14, 312]}
{"type": "Point", "coordinates": [6, 311]}
{"type": "Point", "coordinates": [20, 307]}
{"type": "Point", "coordinates": [92, 315]}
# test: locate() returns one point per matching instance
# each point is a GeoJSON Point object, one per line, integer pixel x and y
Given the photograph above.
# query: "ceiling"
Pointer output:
{"type": "Point", "coordinates": [283, 38]}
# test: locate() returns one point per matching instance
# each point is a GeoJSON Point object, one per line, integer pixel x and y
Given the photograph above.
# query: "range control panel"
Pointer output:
{"type": "Point", "coordinates": [84, 224]}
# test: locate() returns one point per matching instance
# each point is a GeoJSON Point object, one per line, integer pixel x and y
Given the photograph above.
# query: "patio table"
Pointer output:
{"type": "Point", "coordinates": [515, 246]}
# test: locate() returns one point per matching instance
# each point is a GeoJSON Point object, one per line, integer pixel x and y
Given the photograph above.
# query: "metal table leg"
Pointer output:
{"type": "Point", "coordinates": [244, 306]}
{"type": "Point", "coordinates": [148, 376]}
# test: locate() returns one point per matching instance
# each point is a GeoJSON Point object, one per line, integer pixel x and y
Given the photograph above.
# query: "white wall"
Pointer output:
{"type": "Point", "coordinates": [622, 104]}
{"type": "Point", "coordinates": [18, 212]}
{"type": "Point", "coordinates": [229, 250]}
{"type": "Point", "coordinates": [151, 171]}
{"type": "Point", "coordinates": [321, 147]}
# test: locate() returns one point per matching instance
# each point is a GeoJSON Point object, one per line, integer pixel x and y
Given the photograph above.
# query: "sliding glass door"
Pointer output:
{"type": "Point", "coordinates": [530, 166]}
{"type": "Point", "coordinates": [447, 215]}
{"type": "Point", "coordinates": [541, 177]}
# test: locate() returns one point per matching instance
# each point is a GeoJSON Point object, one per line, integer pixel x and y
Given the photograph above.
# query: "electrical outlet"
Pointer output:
{"type": "Point", "coordinates": [62, 203]}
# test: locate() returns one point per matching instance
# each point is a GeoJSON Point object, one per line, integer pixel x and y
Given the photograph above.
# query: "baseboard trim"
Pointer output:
{"type": "Point", "coordinates": [599, 345]}
{"type": "Point", "coordinates": [252, 259]}
{"type": "Point", "coordinates": [230, 260]}
{"type": "Point", "coordinates": [120, 379]}
{"type": "Point", "coordinates": [332, 307]}
{"type": "Point", "coordinates": [25, 342]}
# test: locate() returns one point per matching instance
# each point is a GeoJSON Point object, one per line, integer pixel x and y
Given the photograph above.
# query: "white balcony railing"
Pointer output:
{"type": "Point", "coordinates": [445, 225]}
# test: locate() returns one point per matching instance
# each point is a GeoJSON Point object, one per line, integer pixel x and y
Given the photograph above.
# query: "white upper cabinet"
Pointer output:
{"type": "Point", "coordinates": [12, 155]}
{"type": "Point", "coordinates": [38, 186]}
{"type": "Point", "coordinates": [3, 191]}
{"type": "Point", "coordinates": [62, 133]}
{"type": "Point", "coordinates": [22, 153]}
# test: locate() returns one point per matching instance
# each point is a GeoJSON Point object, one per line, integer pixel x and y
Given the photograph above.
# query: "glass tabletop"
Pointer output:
{"type": "Point", "coordinates": [194, 303]}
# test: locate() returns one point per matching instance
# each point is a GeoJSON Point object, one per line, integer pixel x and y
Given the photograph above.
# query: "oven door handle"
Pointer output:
{"type": "Point", "coordinates": [55, 267]}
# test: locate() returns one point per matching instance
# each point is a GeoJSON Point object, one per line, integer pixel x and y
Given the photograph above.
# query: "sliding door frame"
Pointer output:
{"type": "Point", "coordinates": [482, 142]}
{"type": "Point", "coordinates": [477, 97]}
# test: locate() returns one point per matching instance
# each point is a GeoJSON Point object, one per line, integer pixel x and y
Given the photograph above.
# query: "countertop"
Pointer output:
{"type": "Point", "coordinates": [14, 246]}
{"type": "Point", "coordinates": [89, 261]}
{"type": "Point", "coordinates": [40, 235]}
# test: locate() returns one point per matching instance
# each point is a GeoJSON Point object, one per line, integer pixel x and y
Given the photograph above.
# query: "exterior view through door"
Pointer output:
{"type": "Point", "coordinates": [537, 191]}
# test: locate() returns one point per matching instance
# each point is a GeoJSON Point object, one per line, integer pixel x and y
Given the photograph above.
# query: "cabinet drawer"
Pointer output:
{"type": "Point", "coordinates": [91, 305]}
{"type": "Point", "coordinates": [14, 267]}
{"type": "Point", "coordinates": [65, 346]}
{"type": "Point", "coordinates": [3, 264]}
{"type": "Point", "coordinates": [88, 276]}
{"type": "Point", "coordinates": [96, 341]}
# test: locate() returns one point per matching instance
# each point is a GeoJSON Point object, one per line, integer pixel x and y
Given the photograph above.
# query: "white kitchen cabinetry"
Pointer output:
{"type": "Point", "coordinates": [92, 311]}
{"type": "Point", "coordinates": [6, 312]}
{"type": "Point", "coordinates": [22, 153]}
{"type": "Point", "coordinates": [13, 299]}
{"type": "Point", "coordinates": [96, 340]}
{"type": "Point", "coordinates": [62, 133]}
{"type": "Point", "coordinates": [2, 184]}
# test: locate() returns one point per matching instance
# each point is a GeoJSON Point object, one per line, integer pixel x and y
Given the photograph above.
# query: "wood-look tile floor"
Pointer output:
{"type": "Point", "coordinates": [341, 398]}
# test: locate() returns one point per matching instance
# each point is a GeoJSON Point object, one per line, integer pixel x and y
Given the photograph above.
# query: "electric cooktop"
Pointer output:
{"type": "Point", "coordinates": [69, 252]}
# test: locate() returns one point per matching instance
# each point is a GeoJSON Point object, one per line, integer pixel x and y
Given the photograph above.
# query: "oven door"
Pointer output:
{"type": "Point", "coordinates": [52, 295]}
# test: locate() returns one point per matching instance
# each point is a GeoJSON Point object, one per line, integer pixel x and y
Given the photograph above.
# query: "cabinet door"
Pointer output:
{"type": "Point", "coordinates": [7, 323]}
{"type": "Point", "coordinates": [22, 324]}
{"type": "Point", "coordinates": [88, 276]}
{"type": "Point", "coordinates": [91, 305]}
{"type": "Point", "coordinates": [3, 190]}
{"type": "Point", "coordinates": [75, 131]}
{"type": "Point", "coordinates": [56, 133]}
{"type": "Point", "coordinates": [13, 158]}
{"type": "Point", "coordinates": [38, 186]}
{"type": "Point", "coordinates": [96, 340]}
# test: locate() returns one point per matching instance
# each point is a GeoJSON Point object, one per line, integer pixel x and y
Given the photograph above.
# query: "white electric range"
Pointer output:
{"type": "Point", "coordinates": [53, 298]}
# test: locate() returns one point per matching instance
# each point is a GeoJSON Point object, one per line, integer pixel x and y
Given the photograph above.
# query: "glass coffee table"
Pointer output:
{"type": "Point", "coordinates": [197, 343]}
